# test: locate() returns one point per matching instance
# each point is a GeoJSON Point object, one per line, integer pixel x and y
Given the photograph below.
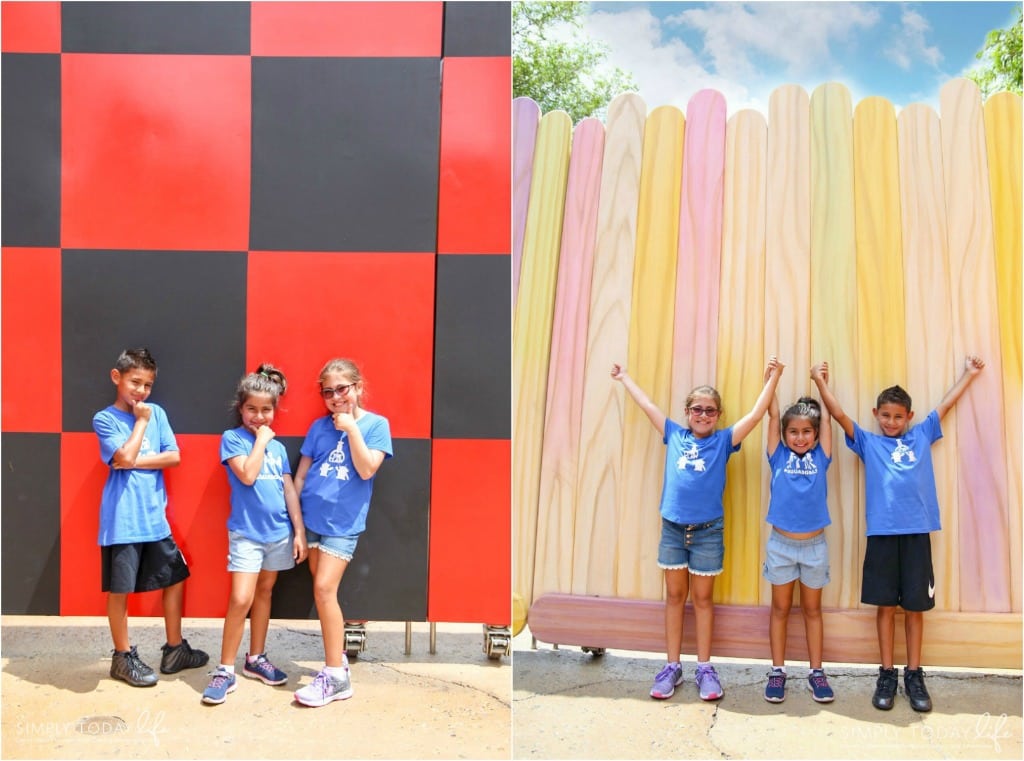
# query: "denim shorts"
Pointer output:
{"type": "Point", "coordinates": [699, 547]}
{"type": "Point", "coordinates": [343, 547]}
{"type": "Point", "coordinates": [248, 556]}
{"type": "Point", "coordinates": [788, 559]}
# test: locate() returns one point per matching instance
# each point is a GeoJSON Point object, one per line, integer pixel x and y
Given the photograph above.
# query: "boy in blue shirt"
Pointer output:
{"type": "Point", "coordinates": [901, 509]}
{"type": "Point", "coordinates": [137, 549]}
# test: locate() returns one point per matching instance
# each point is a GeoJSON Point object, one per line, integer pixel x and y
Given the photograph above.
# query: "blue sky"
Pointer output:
{"type": "Point", "coordinates": [901, 51]}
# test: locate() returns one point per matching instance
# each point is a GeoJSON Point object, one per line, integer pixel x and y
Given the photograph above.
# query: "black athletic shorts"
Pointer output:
{"type": "Point", "coordinates": [142, 566]}
{"type": "Point", "coordinates": [898, 571]}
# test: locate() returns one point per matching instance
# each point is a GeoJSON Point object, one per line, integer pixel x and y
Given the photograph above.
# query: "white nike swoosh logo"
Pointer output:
{"type": "Point", "coordinates": [931, 590]}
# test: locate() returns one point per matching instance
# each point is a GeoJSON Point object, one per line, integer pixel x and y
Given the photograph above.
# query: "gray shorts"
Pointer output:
{"type": "Point", "coordinates": [248, 556]}
{"type": "Point", "coordinates": [789, 559]}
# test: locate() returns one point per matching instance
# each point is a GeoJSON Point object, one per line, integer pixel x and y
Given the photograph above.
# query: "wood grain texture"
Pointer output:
{"type": "Point", "coordinates": [556, 504]}
{"type": "Point", "coordinates": [650, 353]}
{"type": "Point", "coordinates": [525, 118]}
{"type": "Point", "coordinates": [741, 357]}
{"type": "Point", "coordinates": [929, 339]}
{"type": "Point", "coordinates": [531, 335]}
{"type": "Point", "coordinates": [982, 489]}
{"type": "Point", "coordinates": [1003, 149]}
{"type": "Point", "coordinates": [595, 540]}
{"type": "Point", "coordinates": [741, 631]}
{"type": "Point", "coordinates": [833, 322]}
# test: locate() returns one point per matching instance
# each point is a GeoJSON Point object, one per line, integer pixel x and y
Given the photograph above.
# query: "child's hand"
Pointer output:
{"type": "Point", "coordinates": [774, 367]}
{"type": "Point", "coordinates": [820, 372]}
{"type": "Point", "coordinates": [142, 411]}
{"type": "Point", "coordinates": [974, 364]}
{"type": "Point", "coordinates": [264, 434]}
{"type": "Point", "coordinates": [344, 420]}
{"type": "Point", "coordinates": [618, 372]}
{"type": "Point", "coordinates": [299, 548]}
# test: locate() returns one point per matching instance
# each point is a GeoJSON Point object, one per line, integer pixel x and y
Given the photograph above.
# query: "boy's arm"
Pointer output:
{"type": "Point", "coordinates": [820, 375]}
{"type": "Point", "coordinates": [774, 421]}
{"type": "Point", "coordinates": [972, 366]}
{"type": "Point", "coordinates": [746, 424]}
{"type": "Point", "coordinates": [126, 455]}
{"type": "Point", "coordinates": [167, 459]}
{"type": "Point", "coordinates": [656, 416]}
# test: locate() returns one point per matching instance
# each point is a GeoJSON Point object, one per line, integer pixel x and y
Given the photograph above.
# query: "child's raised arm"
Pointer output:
{"type": "Point", "coordinates": [820, 375]}
{"type": "Point", "coordinates": [746, 424]}
{"type": "Point", "coordinates": [972, 366]}
{"type": "Point", "coordinates": [657, 417]}
{"type": "Point", "coordinates": [774, 420]}
{"type": "Point", "coordinates": [825, 424]}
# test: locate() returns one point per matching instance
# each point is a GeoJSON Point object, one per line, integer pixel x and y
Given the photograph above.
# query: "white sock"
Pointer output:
{"type": "Point", "coordinates": [335, 672]}
{"type": "Point", "coordinates": [705, 663]}
{"type": "Point", "coordinates": [230, 669]}
{"type": "Point", "coordinates": [779, 668]}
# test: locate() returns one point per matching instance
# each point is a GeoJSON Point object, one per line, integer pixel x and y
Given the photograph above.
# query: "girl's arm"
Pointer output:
{"type": "Point", "coordinates": [291, 502]}
{"type": "Point", "coordinates": [825, 429]}
{"type": "Point", "coordinates": [299, 479]}
{"type": "Point", "coordinates": [820, 375]}
{"type": "Point", "coordinates": [656, 416]}
{"type": "Point", "coordinates": [365, 460]}
{"type": "Point", "coordinates": [746, 424]}
{"type": "Point", "coordinates": [247, 467]}
{"type": "Point", "coordinates": [774, 421]}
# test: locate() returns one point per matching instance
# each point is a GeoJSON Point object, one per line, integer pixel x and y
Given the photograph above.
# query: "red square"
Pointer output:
{"type": "Point", "coordinates": [155, 152]}
{"type": "Point", "coordinates": [197, 509]}
{"type": "Point", "coordinates": [475, 192]}
{"type": "Point", "coordinates": [31, 331]}
{"type": "Point", "coordinates": [470, 567]}
{"type": "Point", "coordinates": [30, 28]}
{"type": "Point", "coordinates": [374, 308]}
{"type": "Point", "coordinates": [351, 29]}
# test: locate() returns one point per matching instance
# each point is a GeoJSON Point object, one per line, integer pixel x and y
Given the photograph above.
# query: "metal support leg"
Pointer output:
{"type": "Point", "coordinates": [433, 638]}
{"type": "Point", "coordinates": [408, 637]}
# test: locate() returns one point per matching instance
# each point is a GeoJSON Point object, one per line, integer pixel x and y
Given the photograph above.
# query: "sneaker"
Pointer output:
{"type": "Point", "coordinates": [130, 668]}
{"type": "Point", "coordinates": [775, 690]}
{"type": "Point", "coordinates": [666, 680]}
{"type": "Point", "coordinates": [181, 657]}
{"type": "Point", "coordinates": [885, 688]}
{"type": "Point", "coordinates": [817, 683]}
{"type": "Point", "coordinates": [264, 670]}
{"type": "Point", "coordinates": [707, 680]}
{"type": "Point", "coordinates": [913, 685]}
{"type": "Point", "coordinates": [221, 683]}
{"type": "Point", "coordinates": [323, 689]}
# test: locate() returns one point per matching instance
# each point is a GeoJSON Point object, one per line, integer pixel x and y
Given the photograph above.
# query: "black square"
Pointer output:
{"type": "Point", "coordinates": [30, 524]}
{"type": "Point", "coordinates": [196, 28]}
{"type": "Point", "coordinates": [345, 154]}
{"type": "Point", "coordinates": [387, 578]}
{"type": "Point", "coordinates": [187, 307]}
{"type": "Point", "coordinates": [477, 29]}
{"type": "Point", "coordinates": [473, 333]}
{"type": "Point", "coordinates": [30, 156]}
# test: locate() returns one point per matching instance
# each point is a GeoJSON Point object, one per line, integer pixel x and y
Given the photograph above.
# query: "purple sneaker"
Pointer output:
{"type": "Point", "coordinates": [707, 681]}
{"type": "Point", "coordinates": [666, 680]}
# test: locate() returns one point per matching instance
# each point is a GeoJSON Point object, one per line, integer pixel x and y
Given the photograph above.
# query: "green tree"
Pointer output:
{"type": "Point", "coordinates": [556, 65]}
{"type": "Point", "coordinates": [1001, 65]}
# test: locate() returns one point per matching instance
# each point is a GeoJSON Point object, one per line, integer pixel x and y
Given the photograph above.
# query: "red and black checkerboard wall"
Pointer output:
{"type": "Point", "coordinates": [229, 183]}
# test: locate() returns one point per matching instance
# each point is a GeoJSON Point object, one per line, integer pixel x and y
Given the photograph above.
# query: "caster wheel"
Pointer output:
{"type": "Point", "coordinates": [597, 652]}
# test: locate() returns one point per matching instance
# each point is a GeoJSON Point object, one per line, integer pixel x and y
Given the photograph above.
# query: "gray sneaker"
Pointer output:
{"type": "Point", "coordinates": [129, 667]}
{"type": "Point", "coordinates": [323, 689]}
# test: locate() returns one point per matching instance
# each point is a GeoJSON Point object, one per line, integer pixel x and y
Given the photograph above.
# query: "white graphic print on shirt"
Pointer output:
{"type": "Point", "coordinates": [336, 461]}
{"type": "Point", "coordinates": [800, 466]}
{"type": "Point", "coordinates": [901, 451]}
{"type": "Point", "coordinates": [691, 457]}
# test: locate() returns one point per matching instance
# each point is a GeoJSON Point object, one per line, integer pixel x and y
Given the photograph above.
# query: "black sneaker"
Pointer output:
{"type": "Point", "coordinates": [913, 685]}
{"type": "Point", "coordinates": [885, 688]}
{"type": "Point", "coordinates": [181, 657]}
{"type": "Point", "coordinates": [130, 668]}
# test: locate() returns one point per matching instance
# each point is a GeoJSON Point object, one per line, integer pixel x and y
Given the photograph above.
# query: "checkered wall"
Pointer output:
{"type": "Point", "coordinates": [228, 183]}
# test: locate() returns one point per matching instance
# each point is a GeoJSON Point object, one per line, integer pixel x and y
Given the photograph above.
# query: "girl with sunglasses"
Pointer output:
{"type": "Point", "coordinates": [339, 459]}
{"type": "Point", "coordinates": [692, 550]}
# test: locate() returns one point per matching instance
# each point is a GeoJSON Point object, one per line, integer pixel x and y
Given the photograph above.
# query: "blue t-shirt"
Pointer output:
{"type": "Point", "coordinates": [694, 474]}
{"type": "Point", "coordinates": [134, 502]}
{"type": "Point", "coordinates": [335, 498]}
{"type": "Point", "coordinates": [798, 489]}
{"type": "Point", "coordinates": [899, 478]}
{"type": "Point", "coordinates": [258, 512]}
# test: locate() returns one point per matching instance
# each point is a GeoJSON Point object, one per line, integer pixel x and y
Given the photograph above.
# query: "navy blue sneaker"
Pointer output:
{"type": "Point", "coordinates": [775, 690]}
{"type": "Point", "coordinates": [264, 670]}
{"type": "Point", "coordinates": [817, 683]}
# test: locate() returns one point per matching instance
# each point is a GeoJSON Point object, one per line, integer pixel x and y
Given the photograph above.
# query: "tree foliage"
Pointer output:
{"type": "Point", "coordinates": [556, 65]}
{"type": "Point", "coordinates": [1001, 64]}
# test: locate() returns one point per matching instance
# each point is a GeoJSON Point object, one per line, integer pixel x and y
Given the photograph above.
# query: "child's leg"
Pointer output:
{"type": "Point", "coordinates": [782, 602]}
{"type": "Point", "coordinates": [810, 604]}
{"type": "Point", "coordinates": [243, 586]}
{"type": "Point", "coordinates": [174, 600]}
{"type": "Point", "coordinates": [701, 591]}
{"type": "Point", "coordinates": [914, 628]}
{"type": "Point", "coordinates": [259, 617]}
{"type": "Point", "coordinates": [677, 582]}
{"type": "Point", "coordinates": [326, 578]}
{"type": "Point", "coordinates": [117, 615]}
{"type": "Point", "coordinates": [885, 622]}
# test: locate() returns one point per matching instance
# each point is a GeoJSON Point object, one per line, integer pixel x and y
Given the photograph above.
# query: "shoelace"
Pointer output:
{"type": "Point", "coordinates": [776, 680]}
{"type": "Point", "coordinates": [666, 672]}
{"type": "Point", "coordinates": [818, 680]}
{"type": "Point", "coordinates": [219, 678]}
{"type": "Point", "coordinates": [322, 682]}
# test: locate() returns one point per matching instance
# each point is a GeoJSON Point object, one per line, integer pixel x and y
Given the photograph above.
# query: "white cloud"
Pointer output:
{"type": "Point", "coordinates": [909, 43]}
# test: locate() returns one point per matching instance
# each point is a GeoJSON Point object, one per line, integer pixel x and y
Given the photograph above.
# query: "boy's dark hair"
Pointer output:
{"type": "Point", "coordinates": [131, 359]}
{"type": "Point", "coordinates": [807, 407]}
{"type": "Point", "coordinates": [893, 395]}
{"type": "Point", "coordinates": [266, 379]}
